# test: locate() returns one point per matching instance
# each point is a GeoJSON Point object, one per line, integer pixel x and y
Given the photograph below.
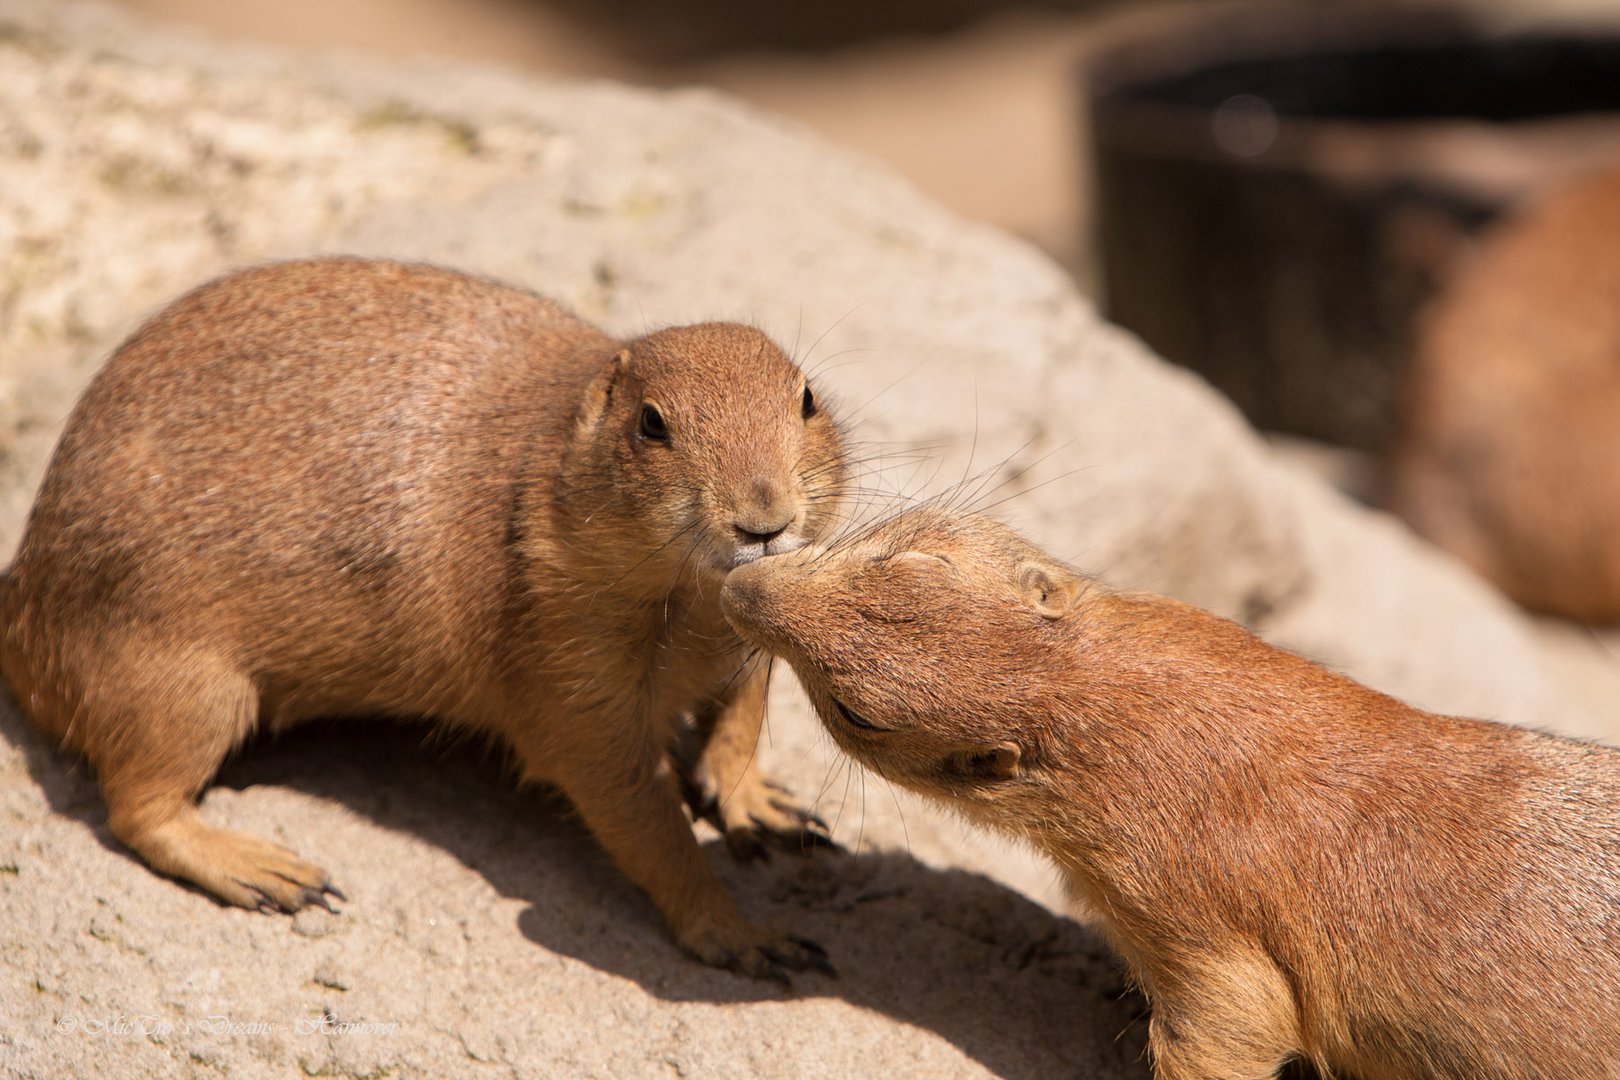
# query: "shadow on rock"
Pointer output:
{"type": "Point", "coordinates": [67, 783]}
{"type": "Point", "coordinates": [1024, 992]}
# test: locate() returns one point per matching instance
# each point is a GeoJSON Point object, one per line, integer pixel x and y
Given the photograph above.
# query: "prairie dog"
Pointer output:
{"type": "Point", "coordinates": [361, 487]}
{"type": "Point", "coordinates": [1509, 450]}
{"type": "Point", "coordinates": [1293, 866]}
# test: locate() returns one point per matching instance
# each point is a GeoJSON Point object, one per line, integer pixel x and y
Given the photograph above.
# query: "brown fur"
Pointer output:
{"type": "Point", "coordinates": [361, 487]}
{"type": "Point", "coordinates": [1510, 450]}
{"type": "Point", "coordinates": [1293, 865]}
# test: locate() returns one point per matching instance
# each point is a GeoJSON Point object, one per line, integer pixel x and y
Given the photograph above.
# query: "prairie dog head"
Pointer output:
{"type": "Point", "coordinates": [924, 644]}
{"type": "Point", "coordinates": [708, 447]}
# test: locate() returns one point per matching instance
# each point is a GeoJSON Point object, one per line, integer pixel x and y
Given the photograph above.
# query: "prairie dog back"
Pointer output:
{"type": "Point", "coordinates": [309, 452]}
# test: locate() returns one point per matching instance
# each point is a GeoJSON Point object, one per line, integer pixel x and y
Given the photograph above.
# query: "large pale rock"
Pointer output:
{"type": "Point", "coordinates": [485, 934]}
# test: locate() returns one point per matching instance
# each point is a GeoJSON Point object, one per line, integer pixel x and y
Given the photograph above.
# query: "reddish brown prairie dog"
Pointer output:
{"type": "Point", "coordinates": [362, 487]}
{"type": "Point", "coordinates": [1291, 864]}
{"type": "Point", "coordinates": [1509, 454]}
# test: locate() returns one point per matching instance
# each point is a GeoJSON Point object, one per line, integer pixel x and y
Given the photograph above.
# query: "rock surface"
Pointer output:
{"type": "Point", "coordinates": [485, 934]}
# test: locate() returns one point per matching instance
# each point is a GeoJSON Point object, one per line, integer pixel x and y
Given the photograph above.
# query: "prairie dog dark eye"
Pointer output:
{"type": "Point", "coordinates": [855, 719]}
{"type": "Point", "coordinates": [808, 409]}
{"type": "Point", "coordinates": [652, 423]}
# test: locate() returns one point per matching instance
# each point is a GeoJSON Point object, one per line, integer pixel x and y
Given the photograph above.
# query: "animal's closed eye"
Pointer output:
{"type": "Point", "coordinates": [855, 719]}
{"type": "Point", "coordinates": [926, 559]}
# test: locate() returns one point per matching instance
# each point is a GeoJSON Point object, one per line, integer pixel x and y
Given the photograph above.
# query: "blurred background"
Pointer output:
{"type": "Point", "coordinates": [981, 103]}
{"type": "Point", "coordinates": [1274, 194]}
{"type": "Point", "coordinates": [977, 101]}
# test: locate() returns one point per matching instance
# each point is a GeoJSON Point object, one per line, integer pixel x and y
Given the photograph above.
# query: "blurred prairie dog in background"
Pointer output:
{"type": "Point", "coordinates": [1292, 865]}
{"type": "Point", "coordinates": [1509, 446]}
{"type": "Point", "coordinates": [360, 487]}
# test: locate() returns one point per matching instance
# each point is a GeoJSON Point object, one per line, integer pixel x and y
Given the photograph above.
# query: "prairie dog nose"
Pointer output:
{"type": "Point", "coordinates": [752, 532]}
{"type": "Point", "coordinates": [768, 515]}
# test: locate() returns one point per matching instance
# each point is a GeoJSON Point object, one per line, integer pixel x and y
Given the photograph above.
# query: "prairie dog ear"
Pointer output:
{"type": "Point", "coordinates": [1051, 590]}
{"type": "Point", "coordinates": [599, 394]}
{"type": "Point", "coordinates": [999, 761]}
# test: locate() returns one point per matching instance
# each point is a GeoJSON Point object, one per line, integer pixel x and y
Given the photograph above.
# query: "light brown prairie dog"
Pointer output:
{"type": "Point", "coordinates": [361, 487]}
{"type": "Point", "coordinates": [1291, 864]}
{"type": "Point", "coordinates": [1509, 453]}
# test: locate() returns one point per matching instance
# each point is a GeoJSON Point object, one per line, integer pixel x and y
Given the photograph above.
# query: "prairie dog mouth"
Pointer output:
{"type": "Point", "coordinates": [742, 554]}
